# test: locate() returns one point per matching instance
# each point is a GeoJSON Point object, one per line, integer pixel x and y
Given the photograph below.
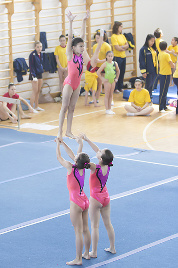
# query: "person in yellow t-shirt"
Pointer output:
{"type": "Point", "coordinates": [165, 65]}
{"type": "Point", "coordinates": [140, 100]}
{"type": "Point", "coordinates": [105, 47]}
{"type": "Point", "coordinates": [61, 59]}
{"type": "Point", "coordinates": [173, 51]}
{"type": "Point", "coordinates": [120, 45]}
{"type": "Point", "coordinates": [175, 79]}
{"type": "Point", "coordinates": [158, 34]}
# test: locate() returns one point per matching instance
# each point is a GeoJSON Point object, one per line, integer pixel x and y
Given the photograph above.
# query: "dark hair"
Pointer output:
{"type": "Point", "coordinates": [163, 45]}
{"type": "Point", "coordinates": [116, 26]}
{"type": "Point", "coordinates": [62, 36]}
{"type": "Point", "coordinates": [83, 161]}
{"type": "Point", "coordinates": [140, 81]}
{"type": "Point", "coordinates": [176, 39]}
{"type": "Point", "coordinates": [77, 40]}
{"type": "Point", "coordinates": [110, 51]}
{"type": "Point", "coordinates": [150, 36]}
{"type": "Point", "coordinates": [105, 37]}
{"type": "Point", "coordinates": [157, 33]}
{"type": "Point", "coordinates": [107, 157]}
{"type": "Point", "coordinates": [10, 85]}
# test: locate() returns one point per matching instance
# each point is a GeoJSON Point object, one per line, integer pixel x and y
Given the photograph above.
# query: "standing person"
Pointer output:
{"type": "Point", "coordinates": [158, 33]}
{"type": "Point", "coordinates": [90, 74]}
{"type": "Point", "coordinates": [175, 79]}
{"type": "Point", "coordinates": [165, 65]}
{"type": "Point", "coordinates": [61, 59]}
{"type": "Point", "coordinates": [36, 70]}
{"type": "Point", "coordinates": [173, 51]}
{"type": "Point", "coordinates": [111, 77]}
{"type": "Point", "coordinates": [140, 99]}
{"type": "Point", "coordinates": [99, 197]}
{"type": "Point", "coordinates": [148, 62]}
{"type": "Point", "coordinates": [120, 45]}
{"type": "Point", "coordinates": [79, 202]}
{"type": "Point", "coordinates": [71, 90]}
{"type": "Point", "coordinates": [105, 47]}
{"type": "Point", "coordinates": [7, 110]}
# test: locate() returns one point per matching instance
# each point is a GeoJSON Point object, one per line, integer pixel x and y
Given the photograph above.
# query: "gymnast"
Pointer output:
{"type": "Point", "coordinates": [99, 197]}
{"type": "Point", "coordinates": [71, 90]}
{"type": "Point", "coordinates": [79, 202]}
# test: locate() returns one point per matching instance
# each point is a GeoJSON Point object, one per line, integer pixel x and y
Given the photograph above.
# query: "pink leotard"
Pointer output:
{"type": "Point", "coordinates": [75, 70]}
{"type": "Point", "coordinates": [75, 184]}
{"type": "Point", "coordinates": [98, 189]}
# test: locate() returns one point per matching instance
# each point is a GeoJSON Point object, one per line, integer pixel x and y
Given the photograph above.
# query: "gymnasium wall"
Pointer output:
{"type": "Point", "coordinates": [149, 15]}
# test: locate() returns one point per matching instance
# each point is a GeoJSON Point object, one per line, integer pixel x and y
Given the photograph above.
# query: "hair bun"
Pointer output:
{"type": "Point", "coordinates": [87, 165]}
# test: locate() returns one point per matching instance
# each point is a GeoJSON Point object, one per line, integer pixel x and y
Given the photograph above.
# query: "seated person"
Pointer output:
{"type": "Point", "coordinates": [7, 110]}
{"type": "Point", "coordinates": [140, 101]}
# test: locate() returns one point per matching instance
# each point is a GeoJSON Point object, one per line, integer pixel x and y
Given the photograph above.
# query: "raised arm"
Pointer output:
{"type": "Point", "coordinates": [61, 160]}
{"type": "Point", "coordinates": [93, 146]}
{"type": "Point", "coordinates": [83, 28]}
{"type": "Point", "coordinates": [68, 150]}
{"type": "Point", "coordinates": [80, 142]}
{"type": "Point", "coordinates": [69, 51]}
{"type": "Point", "coordinates": [94, 58]}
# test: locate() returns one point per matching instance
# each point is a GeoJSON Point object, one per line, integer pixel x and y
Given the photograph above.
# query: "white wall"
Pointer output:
{"type": "Point", "coordinates": [152, 14]}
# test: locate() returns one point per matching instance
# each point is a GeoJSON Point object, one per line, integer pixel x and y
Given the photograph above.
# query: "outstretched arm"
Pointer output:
{"type": "Point", "coordinates": [83, 29]}
{"type": "Point", "coordinates": [69, 51]}
{"type": "Point", "coordinates": [93, 146]}
{"type": "Point", "coordinates": [61, 160]}
{"type": "Point", "coordinates": [80, 142]}
{"type": "Point", "coordinates": [68, 150]}
{"type": "Point", "coordinates": [94, 59]}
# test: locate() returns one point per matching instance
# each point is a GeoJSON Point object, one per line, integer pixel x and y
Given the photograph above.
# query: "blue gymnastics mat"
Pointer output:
{"type": "Point", "coordinates": [35, 226]}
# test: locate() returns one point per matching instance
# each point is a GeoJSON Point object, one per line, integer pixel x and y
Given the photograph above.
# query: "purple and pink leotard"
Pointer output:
{"type": "Point", "coordinates": [75, 183]}
{"type": "Point", "coordinates": [98, 189]}
{"type": "Point", "coordinates": [75, 70]}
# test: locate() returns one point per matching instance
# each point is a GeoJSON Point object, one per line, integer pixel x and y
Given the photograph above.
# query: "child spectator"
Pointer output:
{"type": "Point", "coordinates": [148, 62]}
{"type": "Point", "coordinates": [158, 34]}
{"type": "Point", "coordinates": [105, 47]}
{"type": "Point", "coordinates": [140, 99]}
{"type": "Point", "coordinates": [36, 70]}
{"type": "Point", "coordinates": [61, 59]}
{"type": "Point", "coordinates": [175, 79]}
{"type": "Point", "coordinates": [173, 51]}
{"type": "Point", "coordinates": [111, 77]}
{"type": "Point", "coordinates": [7, 110]}
{"type": "Point", "coordinates": [165, 65]}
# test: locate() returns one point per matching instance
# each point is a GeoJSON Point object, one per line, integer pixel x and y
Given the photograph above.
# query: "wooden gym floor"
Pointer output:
{"type": "Point", "coordinates": [156, 132]}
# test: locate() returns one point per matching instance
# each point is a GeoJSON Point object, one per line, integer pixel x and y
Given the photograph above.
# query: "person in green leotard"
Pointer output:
{"type": "Point", "coordinates": [111, 77]}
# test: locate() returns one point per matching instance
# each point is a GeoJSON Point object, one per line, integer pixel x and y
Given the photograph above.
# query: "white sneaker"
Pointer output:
{"type": "Point", "coordinates": [112, 103]}
{"type": "Point", "coordinates": [162, 111]}
{"type": "Point", "coordinates": [35, 111]}
{"type": "Point", "coordinates": [109, 112]}
{"type": "Point", "coordinates": [39, 109]}
{"type": "Point", "coordinates": [130, 114]}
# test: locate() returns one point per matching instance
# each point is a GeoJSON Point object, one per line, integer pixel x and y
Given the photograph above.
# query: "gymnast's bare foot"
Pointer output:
{"type": "Point", "coordinates": [86, 256]}
{"type": "Point", "coordinates": [70, 135]}
{"type": "Point", "coordinates": [74, 262]}
{"type": "Point", "coordinates": [113, 251]}
{"type": "Point", "coordinates": [14, 121]}
{"type": "Point", "coordinates": [92, 254]}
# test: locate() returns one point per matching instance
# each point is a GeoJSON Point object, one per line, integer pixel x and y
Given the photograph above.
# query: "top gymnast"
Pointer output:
{"type": "Point", "coordinates": [74, 51]}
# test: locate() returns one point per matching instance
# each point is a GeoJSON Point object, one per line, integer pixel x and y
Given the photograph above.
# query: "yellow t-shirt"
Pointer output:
{"type": "Point", "coordinates": [103, 50]}
{"type": "Point", "coordinates": [61, 53]}
{"type": "Point", "coordinates": [120, 40]}
{"type": "Point", "coordinates": [157, 41]}
{"type": "Point", "coordinates": [139, 98]}
{"type": "Point", "coordinates": [153, 52]}
{"type": "Point", "coordinates": [173, 58]}
{"type": "Point", "coordinates": [164, 59]}
{"type": "Point", "coordinates": [175, 75]}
